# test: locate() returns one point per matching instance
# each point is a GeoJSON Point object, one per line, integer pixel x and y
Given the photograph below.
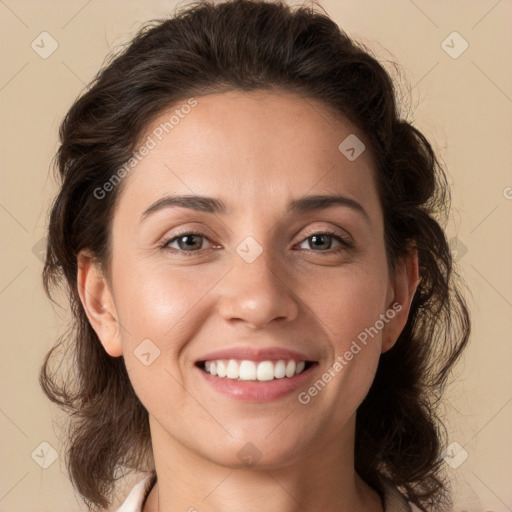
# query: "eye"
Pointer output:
{"type": "Point", "coordinates": [322, 242]}
{"type": "Point", "coordinates": [186, 242]}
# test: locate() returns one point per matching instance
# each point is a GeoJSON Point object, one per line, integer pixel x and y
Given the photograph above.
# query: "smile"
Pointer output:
{"type": "Point", "coordinates": [248, 370]}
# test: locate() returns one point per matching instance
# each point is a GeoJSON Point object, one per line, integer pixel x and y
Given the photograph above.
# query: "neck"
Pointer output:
{"type": "Point", "coordinates": [325, 480]}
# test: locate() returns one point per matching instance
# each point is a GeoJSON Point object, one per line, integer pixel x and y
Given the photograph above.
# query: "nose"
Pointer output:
{"type": "Point", "coordinates": [257, 293]}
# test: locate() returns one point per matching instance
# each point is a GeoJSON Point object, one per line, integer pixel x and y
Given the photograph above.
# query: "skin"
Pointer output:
{"type": "Point", "coordinates": [256, 152]}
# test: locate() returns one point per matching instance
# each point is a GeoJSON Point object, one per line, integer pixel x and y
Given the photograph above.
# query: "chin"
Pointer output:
{"type": "Point", "coordinates": [257, 452]}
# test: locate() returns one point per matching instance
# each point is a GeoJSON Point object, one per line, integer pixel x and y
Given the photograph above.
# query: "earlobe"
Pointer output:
{"type": "Point", "coordinates": [98, 303]}
{"type": "Point", "coordinates": [404, 286]}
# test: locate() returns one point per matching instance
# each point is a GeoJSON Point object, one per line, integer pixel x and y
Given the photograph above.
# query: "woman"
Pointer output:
{"type": "Point", "coordinates": [265, 307]}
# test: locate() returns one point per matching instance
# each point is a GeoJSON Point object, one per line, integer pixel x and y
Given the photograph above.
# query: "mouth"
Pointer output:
{"type": "Point", "coordinates": [255, 371]}
{"type": "Point", "coordinates": [255, 375]}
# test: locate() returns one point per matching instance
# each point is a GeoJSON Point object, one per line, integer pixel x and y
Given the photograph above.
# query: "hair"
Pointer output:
{"type": "Point", "coordinates": [250, 45]}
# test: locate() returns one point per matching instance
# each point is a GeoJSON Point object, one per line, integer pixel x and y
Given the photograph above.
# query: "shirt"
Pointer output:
{"type": "Point", "coordinates": [393, 499]}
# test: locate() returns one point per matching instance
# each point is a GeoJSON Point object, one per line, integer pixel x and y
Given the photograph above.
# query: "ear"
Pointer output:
{"type": "Point", "coordinates": [402, 289]}
{"type": "Point", "coordinates": [98, 303]}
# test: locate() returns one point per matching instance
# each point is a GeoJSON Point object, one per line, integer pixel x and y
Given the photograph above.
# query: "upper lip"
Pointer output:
{"type": "Point", "coordinates": [256, 354]}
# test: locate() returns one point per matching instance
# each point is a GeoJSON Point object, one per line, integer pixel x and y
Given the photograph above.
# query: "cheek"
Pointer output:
{"type": "Point", "coordinates": [349, 304]}
{"type": "Point", "coordinates": [348, 301]}
{"type": "Point", "coordinates": [160, 303]}
{"type": "Point", "coordinates": [159, 311]}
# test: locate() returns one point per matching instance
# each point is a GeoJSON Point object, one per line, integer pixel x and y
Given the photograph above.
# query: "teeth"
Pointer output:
{"type": "Point", "coordinates": [300, 367]}
{"type": "Point", "coordinates": [221, 369]}
{"type": "Point", "coordinates": [280, 369]}
{"type": "Point", "coordinates": [247, 370]}
{"type": "Point", "coordinates": [251, 370]}
{"type": "Point", "coordinates": [233, 370]}
{"type": "Point", "coordinates": [290, 369]}
{"type": "Point", "coordinates": [266, 371]}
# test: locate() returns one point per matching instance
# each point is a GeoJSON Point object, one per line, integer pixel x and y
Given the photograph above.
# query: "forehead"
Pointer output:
{"type": "Point", "coordinates": [249, 146]}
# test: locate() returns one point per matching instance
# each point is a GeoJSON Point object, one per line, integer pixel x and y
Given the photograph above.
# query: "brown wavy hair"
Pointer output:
{"type": "Point", "coordinates": [249, 45]}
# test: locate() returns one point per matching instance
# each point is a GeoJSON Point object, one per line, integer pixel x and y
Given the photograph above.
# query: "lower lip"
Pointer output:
{"type": "Point", "coordinates": [257, 391]}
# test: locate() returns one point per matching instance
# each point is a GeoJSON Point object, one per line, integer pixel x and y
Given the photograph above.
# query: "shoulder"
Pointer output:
{"type": "Point", "coordinates": [137, 495]}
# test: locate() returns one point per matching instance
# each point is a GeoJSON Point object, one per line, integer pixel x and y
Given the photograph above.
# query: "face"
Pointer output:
{"type": "Point", "coordinates": [264, 271]}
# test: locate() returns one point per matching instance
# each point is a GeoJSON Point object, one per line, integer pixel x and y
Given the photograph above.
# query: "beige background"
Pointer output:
{"type": "Point", "coordinates": [463, 104]}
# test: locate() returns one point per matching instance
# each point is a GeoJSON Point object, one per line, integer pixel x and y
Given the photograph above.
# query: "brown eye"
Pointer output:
{"type": "Point", "coordinates": [187, 242]}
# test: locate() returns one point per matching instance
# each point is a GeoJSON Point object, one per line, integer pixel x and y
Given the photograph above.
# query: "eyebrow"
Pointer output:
{"type": "Point", "coordinates": [216, 206]}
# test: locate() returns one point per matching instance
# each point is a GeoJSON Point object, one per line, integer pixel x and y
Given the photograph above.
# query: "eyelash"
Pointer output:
{"type": "Point", "coordinates": [345, 244]}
